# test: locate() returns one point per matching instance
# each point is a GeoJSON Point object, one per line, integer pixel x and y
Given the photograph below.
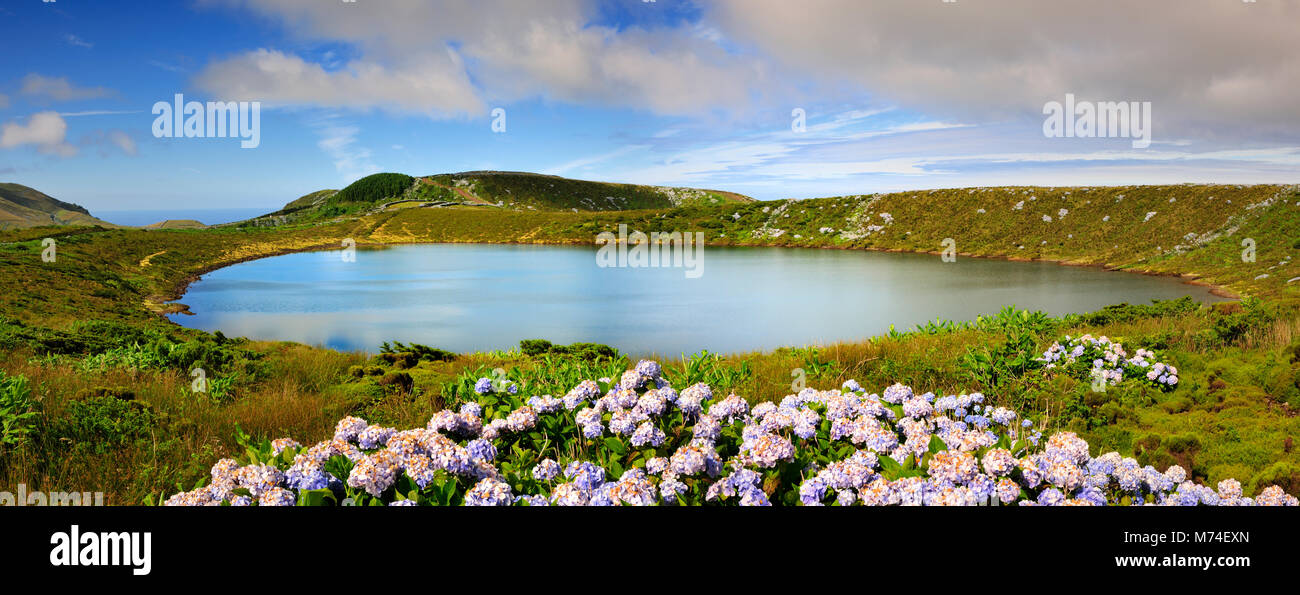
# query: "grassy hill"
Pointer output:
{"type": "Point", "coordinates": [176, 224]}
{"type": "Point", "coordinates": [493, 189]}
{"type": "Point", "coordinates": [542, 192]}
{"type": "Point", "coordinates": [21, 207]}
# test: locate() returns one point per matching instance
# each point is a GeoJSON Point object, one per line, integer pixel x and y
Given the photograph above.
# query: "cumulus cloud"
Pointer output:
{"type": "Point", "coordinates": [1207, 66]}
{"type": "Point", "coordinates": [45, 130]}
{"type": "Point", "coordinates": [59, 89]}
{"type": "Point", "coordinates": [434, 84]}
{"type": "Point", "coordinates": [665, 72]}
{"type": "Point", "coordinates": [456, 56]}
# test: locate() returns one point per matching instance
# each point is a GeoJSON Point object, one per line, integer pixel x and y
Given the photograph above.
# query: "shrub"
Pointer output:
{"type": "Point", "coordinates": [993, 368]}
{"type": "Point", "coordinates": [1230, 325]}
{"type": "Point", "coordinates": [423, 352]}
{"type": "Point", "coordinates": [1281, 473]}
{"type": "Point", "coordinates": [1130, 312]}
{"type": "Point", "coordinates": [403, 360]}
{"type": "Point", "coordinates": [18, 412]}
{"type": "Point", "coordinates": [591, 352]}
{"type": "Point", "coordinates": [104, 422]}
{"type": "Point", "coordinates": [400, 381]}
{"type": "Point", "coordinates": [1100, 359]}
{"type": "Point", "coordinates": [117, 392]}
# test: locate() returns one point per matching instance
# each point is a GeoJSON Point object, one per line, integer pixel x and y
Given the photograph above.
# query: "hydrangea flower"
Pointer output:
{"type": "Point", "coordinates": [546, 470]}
{"type": "Point", "coordinates": [586, 391]}
{"type": "Point", "coordinates": [971, 465]}
{"type": "Point", "coordinates": [489, 492]}
{"type": "Point", "coordinates": [481, 450]}
{"type": "Point", "coordinates": [374, 437]}
{"type": "Point", "coordinates": [375, 472]}
{"type": "Point", "coordinates": [648, 434]}
{"type": "Point", "coordinates": [585, 475]}
{"type": "Point", "coordinates": [277, 496]}
{"type": "Point", "coordinates": [259, 479]}
{"type": "Point", "coordinates": [282, 444]}
{"type": "Point", "coordinates": [348, 428]}
{"type": "Point", "coordinates": [648, 368]}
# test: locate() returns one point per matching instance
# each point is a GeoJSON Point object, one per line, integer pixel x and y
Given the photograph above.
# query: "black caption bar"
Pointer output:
{"type": "Point", "coordinates": [140, 545]}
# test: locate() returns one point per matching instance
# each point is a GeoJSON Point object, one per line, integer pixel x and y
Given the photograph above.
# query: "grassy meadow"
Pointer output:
{"type": "Point", "coordinates": [95, 385]}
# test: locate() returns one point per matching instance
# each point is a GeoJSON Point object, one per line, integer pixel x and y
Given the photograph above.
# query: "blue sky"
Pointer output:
{"type": "Point", "coordinates": [896, 95]}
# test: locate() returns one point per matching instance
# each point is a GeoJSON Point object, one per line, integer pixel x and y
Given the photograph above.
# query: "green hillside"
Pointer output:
{"type": "Point", "coordinates": [537, 191]}
{"type": "Point", "coordinates": [490, 189]}
{"type": "Point", "coordinates": [21, 207]}
{"type": "Point", "coordinates": [176, 224]}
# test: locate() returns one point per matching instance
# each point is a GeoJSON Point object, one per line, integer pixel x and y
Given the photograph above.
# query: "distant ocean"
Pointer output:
{"type": "Point", "coordinates": [205, 216]}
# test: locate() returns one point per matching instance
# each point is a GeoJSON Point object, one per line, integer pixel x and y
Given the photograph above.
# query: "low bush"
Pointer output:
{"type": "Point", "coordinates": [102, 423]}
{"type": "Point", "coordinates": [18, 413]}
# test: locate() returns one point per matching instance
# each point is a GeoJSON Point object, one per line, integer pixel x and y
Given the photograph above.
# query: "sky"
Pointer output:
{"type": "Point", "coordinates": [771, 98]}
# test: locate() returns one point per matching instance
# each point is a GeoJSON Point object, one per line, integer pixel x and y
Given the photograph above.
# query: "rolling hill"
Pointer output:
{"type": "Point", "coordinates": [517, 191]}
{"type": "Point", "coordinates": [176, 224]}
{"type": "Point", "coordinates": [21, 207]}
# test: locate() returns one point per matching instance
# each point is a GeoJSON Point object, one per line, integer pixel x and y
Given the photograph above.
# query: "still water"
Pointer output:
{"type": "Point", "coordinates": [479, 297]}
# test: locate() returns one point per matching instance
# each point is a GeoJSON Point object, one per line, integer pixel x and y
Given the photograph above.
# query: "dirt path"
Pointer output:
{"type": "Point", "coordinates": [146, 261]}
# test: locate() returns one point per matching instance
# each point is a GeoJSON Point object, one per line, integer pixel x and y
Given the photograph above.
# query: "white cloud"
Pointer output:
{"type": "Point", "coordinates": [1208, 66]}
{"type": "Point", "coordinates": [123, 141]}
{"type": "Point", "coordinates": [434, 84]}
{"type": "Point", "coordinates": [511, 50]}
{"type": "Point", "coordinates": [45, 130]}
{"type": "Point", "coordinates": [77, 41]}
{"type": "Point", "coordinates": [59, 89]}
{"type": "Point", "coordinates": [667, 72]}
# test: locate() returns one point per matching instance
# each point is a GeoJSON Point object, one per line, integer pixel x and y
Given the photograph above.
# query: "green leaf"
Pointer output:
{"type": "Point", "coordinates": [937, 444]}
{"type": "Point", "coordinates": [320, 497]}
{"type": "Point", "coordinates": [890, 468]}
{"type": "Point", "coordinates": [615, 445]}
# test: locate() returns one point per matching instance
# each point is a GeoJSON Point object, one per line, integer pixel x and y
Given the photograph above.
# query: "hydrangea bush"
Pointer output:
{"type": "Point", "coordinates": [1090, 358]}
{"type": "Point", "coordinates": [639, 441]}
